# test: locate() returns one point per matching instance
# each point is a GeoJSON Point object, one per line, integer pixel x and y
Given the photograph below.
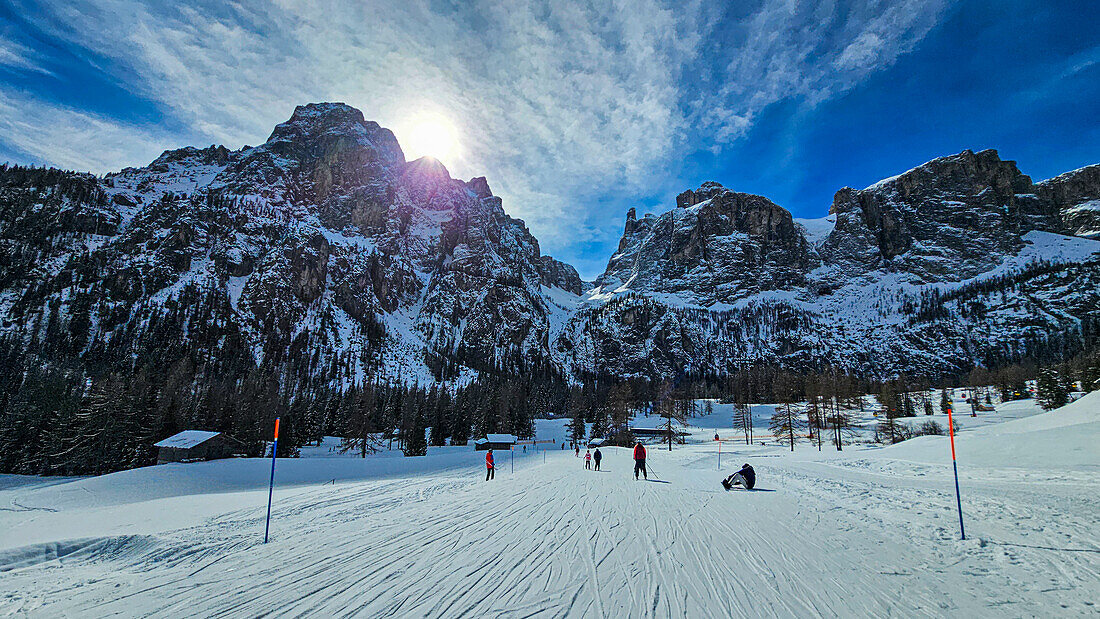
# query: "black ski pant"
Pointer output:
{"type": "Point", "coordinates": [639, 465]}
{"type": "Point", "coordinates": [597, 465]}
{"type": "Point", "coordinates": [489, 473]}
{"type": "Point", "coordinates": [588, 464]}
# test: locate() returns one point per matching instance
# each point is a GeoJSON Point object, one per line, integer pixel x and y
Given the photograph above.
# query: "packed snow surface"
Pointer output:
{"type": "Point", "coordinates": [868, 531]}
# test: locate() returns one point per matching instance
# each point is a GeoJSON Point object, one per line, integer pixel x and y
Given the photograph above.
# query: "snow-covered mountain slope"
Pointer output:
{"type": "Point", "coordinates": [866, 531]}
{"type": "Point", "coordinates": [960, 261]}
{"type": "Point", "coordinates": [323, 254]}
{"type": "Point", "coordinates": [322, 248]}
{"type": "Point", "coordinates": [1059, 440]}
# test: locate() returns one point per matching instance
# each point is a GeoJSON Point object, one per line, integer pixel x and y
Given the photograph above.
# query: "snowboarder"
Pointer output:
{"type": "Point", "coordinates": [588, 459]}
{"type": "Point", "coordinates": [490, 466]}
{"type": "Point", "coordinates": [746, 478]}
{"type": "Point", "coordinates": [596, 457]}
{"type": "Point", "coordinates": [639, 460]}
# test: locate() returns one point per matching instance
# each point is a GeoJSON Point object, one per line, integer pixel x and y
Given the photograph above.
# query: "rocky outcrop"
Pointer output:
{"type": "Point", "coordinates": [717, 247]}
{"type": "Point", "coordinates": [949, 219]}
{"type": "Point", "coordinates": [1075, 196]}
{"type": "Point", "coordinates": [555, 273]}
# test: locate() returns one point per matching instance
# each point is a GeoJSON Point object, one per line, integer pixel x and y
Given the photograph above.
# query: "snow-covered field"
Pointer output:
{"type": "Point", "coordinates": [866, 532]}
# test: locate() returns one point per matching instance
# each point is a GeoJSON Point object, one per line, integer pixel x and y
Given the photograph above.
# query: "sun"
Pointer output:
{"type": "Point", "coordinates": [431, 136]}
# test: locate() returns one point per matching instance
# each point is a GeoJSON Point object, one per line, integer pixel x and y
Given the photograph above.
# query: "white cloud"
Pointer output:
{"type": "Point", "coordinates": [18, 56]}
{"type": "Point", "coordinates": [862, 53]}
{"type": "Point", "coordinates": [552, 102]}
{"type": "Point", "coordinates": [73, 139]}
{"type": "Point", "coordinates": [808, 51]}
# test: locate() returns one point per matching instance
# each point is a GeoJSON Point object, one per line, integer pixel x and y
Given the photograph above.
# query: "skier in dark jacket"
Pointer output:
{"type": "Point", "coordinates": [596, 457]}
{"type": "Point", "coordinates": [639, 460]}
{"type": "Point", "coordinates": [746, 478]}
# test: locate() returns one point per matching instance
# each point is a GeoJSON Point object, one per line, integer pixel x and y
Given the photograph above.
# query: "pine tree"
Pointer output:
{"type": "Point", "coordinates": [577, 430]}
{"type": "Point", "coordinates": [415, 442]}
{"type": "Point", "coordinates": [620, 402]}
{"type": "Point", "coordinates": [601, 421]}
{"type": "Point", "coordinates": [1052, 389]}
{"type": "Point", "coordinates": [742, 418]}
{"type": "Point", "coordinates": [440, 418]}
{"type": "Point", "coordinates": [675, 413]}
{"type": "Point", "coordinates": [785, 424]}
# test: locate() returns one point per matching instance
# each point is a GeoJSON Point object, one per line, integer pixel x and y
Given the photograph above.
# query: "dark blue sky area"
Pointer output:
{"type": "Point", "coordinates": [1020, 77]}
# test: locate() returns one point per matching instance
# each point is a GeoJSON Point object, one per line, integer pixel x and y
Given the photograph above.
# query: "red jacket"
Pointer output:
{"type": "Point", "coordinates": [489, 461]}
{"type": "Point", "coordinates": [639, 452]}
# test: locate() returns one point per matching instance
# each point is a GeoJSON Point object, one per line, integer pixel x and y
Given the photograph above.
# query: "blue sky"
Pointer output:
{"type": "Point", "coordinates": [575, 113]}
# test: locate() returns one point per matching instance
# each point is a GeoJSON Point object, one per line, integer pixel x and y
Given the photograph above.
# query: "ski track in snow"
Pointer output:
{"type": "Point", "coordinates": [857, 535]}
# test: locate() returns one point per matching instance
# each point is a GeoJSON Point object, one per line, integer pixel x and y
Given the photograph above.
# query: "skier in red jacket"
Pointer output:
{"type": "Point", "coordinates": [489, 465]}
{"type": "Point", "coordinates": [639, 460]}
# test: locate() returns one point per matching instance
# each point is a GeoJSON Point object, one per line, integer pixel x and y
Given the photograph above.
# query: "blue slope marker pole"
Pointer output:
{"type": "Point", "coordinates": [271, 486]}
{"type": "Point", "coordinates": [954, 464]}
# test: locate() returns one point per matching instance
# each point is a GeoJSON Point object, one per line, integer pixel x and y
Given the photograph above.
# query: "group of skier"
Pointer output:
{"type": "Point", "coordinates": [590, 457]}
{"type": "Point", "coordinates": [745, 477]}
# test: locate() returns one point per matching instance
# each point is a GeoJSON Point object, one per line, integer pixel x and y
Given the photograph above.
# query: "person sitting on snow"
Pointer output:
{"type": "Point", "coordinates": [746, 478]}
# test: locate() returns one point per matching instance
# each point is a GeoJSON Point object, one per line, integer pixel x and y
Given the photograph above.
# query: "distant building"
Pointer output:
{"type": "Point", "coordinates": [495, 441]}
{"type": "Point", "coordinates": [195, 445]}
{"type": "Point", "coordinates": [597, 442]}
{"type": "Point", "coordinates": [657, 434]}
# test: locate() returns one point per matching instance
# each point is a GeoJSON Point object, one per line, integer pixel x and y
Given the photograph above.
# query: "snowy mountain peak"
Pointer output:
{"type": "Point", "coordinates": [479, 186]}
{"type": "Point", "coordinates": [321, 127]}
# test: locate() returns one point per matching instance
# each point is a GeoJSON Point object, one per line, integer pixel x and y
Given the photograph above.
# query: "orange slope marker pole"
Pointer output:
{"type": "Point", "coordinates": [271, 485]}
{"type": "Point", "coordinates": [955, 466]}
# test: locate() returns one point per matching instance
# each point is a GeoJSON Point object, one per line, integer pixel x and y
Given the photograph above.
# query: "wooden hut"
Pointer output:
{"type": "Point", "coordinates": [196, 445]}
{"type": "Point", "coordinates": [495, 441]}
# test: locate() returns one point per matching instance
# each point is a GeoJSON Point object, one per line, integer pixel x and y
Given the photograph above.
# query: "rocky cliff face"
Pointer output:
{"type": "Point", "coordinates": [717, 246]}
{"type": "Point", "coordinates": [323, 253]}
{"type": "Point", "coordinates": [727, 278]}
{"type": "Point", "coordinates": [322, 242]}
{"type": "Point", "coordinates": [1075, 199]}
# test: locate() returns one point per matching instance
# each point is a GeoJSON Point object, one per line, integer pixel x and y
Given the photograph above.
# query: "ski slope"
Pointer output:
{"type": "Point", "coordinates": [865, 532]}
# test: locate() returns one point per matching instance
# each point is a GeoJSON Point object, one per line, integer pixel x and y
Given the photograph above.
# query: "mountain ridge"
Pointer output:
{"type": "Point", "coordinates": [323, 248]}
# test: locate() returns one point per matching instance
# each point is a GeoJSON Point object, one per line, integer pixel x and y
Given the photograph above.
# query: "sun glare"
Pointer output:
{"type": "Point", "coordinates": [431, 136]}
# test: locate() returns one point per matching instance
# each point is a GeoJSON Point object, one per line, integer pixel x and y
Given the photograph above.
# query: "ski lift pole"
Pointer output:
{"type": "Point", "coordinates": [955, 466]}
{"type": "Point", "coordinates": [271, 484]}
{"type": "Point", "coordinates": [719, 455]}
